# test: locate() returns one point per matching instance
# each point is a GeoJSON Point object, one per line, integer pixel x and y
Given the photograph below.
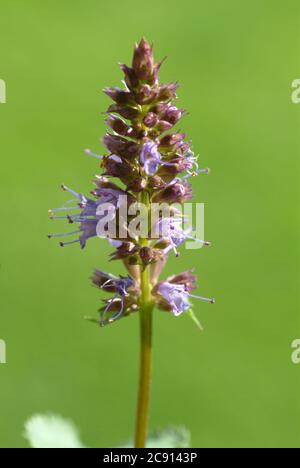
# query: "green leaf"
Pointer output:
{"type": "Point", "coordinates": [51, 431]}
{"type": "Point", "coordinates": [172, 437]}
{"type": "Point", "coordinates": [192, 315]}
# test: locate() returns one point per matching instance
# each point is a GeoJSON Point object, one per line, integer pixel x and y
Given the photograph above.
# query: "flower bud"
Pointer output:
{"type": "Point", "coordinates": [162, 243]}
{"type": "Point", "coordinates": [131, 79]}
{"type": "Point", "coordinates": [126, 249]}
{"type": "Point", "coordinates": [155, 182]}
{"type": "Point", "coordinates": [121, 146]}
{"type": "Point", "coordinates": [114, 166]}
{"type": "Point", "coordinates": [137, 185]}
{"type": "Point", "coordinates": [129, 113]}
{"type": "Point", "coordinates": [149, 256]}
{"type": "Point", "coordinates": [143, 61]}
{"type": "Point", "coordinates": [138, 132]}
{"type": "Point", "coordinates": [103, 183]}
{"type": "Point", "coordinates": [172, 139]}
{"type": "Point", "coordinates": [156, 68]}
{"type": "Point", "coordinates": [119, 95]}
{"type": "Point", "coordinates": [118, 125]}
{"type": "Point", "coordinates": [159, 108]}
{"type": "Point", "coordinates": [150, 119]}
{"type": "Point", "coordinates": [164, 126]}
{"type": "Point", "coordinates": [146, 94]}
{"type": "Point", "coordinates": [175, 166]}
{"type": "Point", "coordinates": [172, 114]}
{"type": "Point", "coordinates": [167, 92]}
{"type": "Point", "coordinates": [174, 193]}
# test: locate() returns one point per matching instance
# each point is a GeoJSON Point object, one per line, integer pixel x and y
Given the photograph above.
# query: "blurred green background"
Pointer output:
{"type": "Point", "coordinates": [233, 385]}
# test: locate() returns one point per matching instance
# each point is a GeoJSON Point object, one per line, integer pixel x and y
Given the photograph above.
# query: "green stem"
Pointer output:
{"type": "Point", "coordinates": [145, 364]}
{"type": "Point", "coordinates": [144, 392]}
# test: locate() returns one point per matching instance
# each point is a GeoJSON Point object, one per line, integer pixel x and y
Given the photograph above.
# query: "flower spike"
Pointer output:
{"type": "Point", "coordinates": [146, 162]}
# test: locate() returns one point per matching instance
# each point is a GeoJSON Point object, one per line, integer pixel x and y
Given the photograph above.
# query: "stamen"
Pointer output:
{"type": "Point", "coordinates": [107, 283]}
{"type": "Point", "coordinates": [82, 219]}
{"type": "Point", "coordinates": [177, 254]}
{"type": "Point", "coordinates": [68, 217]}
{"type": "Point", "coordinates": [89, 152]}
{"type": "Point", "coordinates": [118, 314]}
{"type": "Point", "coordinates": [107, 321]}
{"type": "Point", "coordinates": [62, 244]}
{"type": "Point", "coordinates": [206, 299]}
{"type": "Point", "coordinates": [109, 303]}
{"type": "Point", "coordinates": [123, 291]}
{"type": "Point", "coordinates": [194, 174]}
{"type": "Point", "coordinates": [79, 196]}
{"type": "Point", "coordinates": [204, 171]}
{"type": "Point", "coordinates": [64, 235]}
{"type": "Point", "coordinates": [62, 208]}
{"type": "Point", "coordinates": [206, 243]}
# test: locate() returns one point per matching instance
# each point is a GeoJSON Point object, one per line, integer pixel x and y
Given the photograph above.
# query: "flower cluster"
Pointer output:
{"type": "Point", "coordinates": [147, 161]}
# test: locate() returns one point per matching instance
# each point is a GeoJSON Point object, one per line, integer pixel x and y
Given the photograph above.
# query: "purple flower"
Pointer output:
{"type": "Point", "coordinates": [88, 217]}
{"type": "Point", "coordinates": [171, 230]}
{"type": "Point", "coordinates": [120, 287]}
{"type": "Point", "coordinates": [112, 283]}
{"type": "Point", "coordinates": [193, 168]}
{"type": "Point", "coordinates": [180, 163]}
{"type": "Point", "coordinates": [176, 296]}
{"type": "Point", "coordinates": [150, 158]}
{"type": "Point", "coordinates": [176, 292]}
{"type": "Point", "coordinates": [115, 243]}
{"type": "Point", "coordinates": [112, 196]}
